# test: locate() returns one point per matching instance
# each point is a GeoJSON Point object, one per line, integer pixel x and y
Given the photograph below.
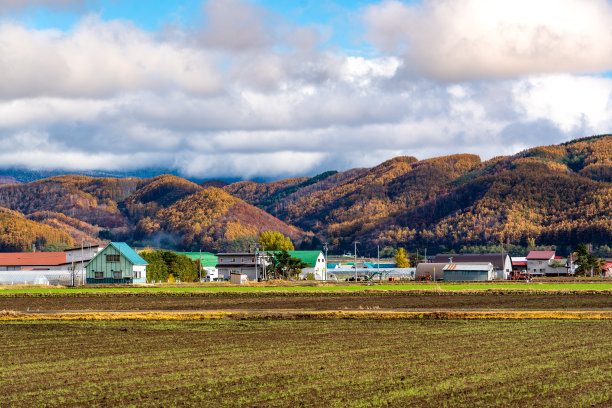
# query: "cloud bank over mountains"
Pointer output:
{"type": "Point", "coordinates": [248, 93]}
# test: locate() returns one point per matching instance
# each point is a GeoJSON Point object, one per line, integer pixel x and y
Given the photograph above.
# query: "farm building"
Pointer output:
{"type": "Point", "coordinates": [435, 271]}
{"type": "Point", "coordinates": [116, 263]}
{"type": "Point", "coordinates": [238, 263]}
{"type": "Point", "coordinates": [55, 268]}
{"type": "Point", "coordinates": [244, 263]}
{"type": "Point", "coordinates": [502, 262]}
{"type": "Point", "coordinates": [40, 261]}
{"type": "Point", "coordinates": [81, 255]}
{"type": "Point", "coordinates": [606, 268]}
{"type": "Point", "coordinates": [543, 263]}
{"type": "Point", "coordinates": [208, 261]}
{"type": "Point", "coordinates": [519, 263]}
{"type": "Point", "coordinates": [315, 261]}
{"type": "Point", "coordinates": [469, 272]}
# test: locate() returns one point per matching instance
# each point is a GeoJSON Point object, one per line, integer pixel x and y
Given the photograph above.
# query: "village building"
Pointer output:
{"type": "Point", "coordinates": [502, 262]}
{"type": "Point", "coordinates": [475, 271]}
{"type": "Point", "coordinates": [28, 261]}
{"type": "Point", "coordinates": [430, 271]}
{"type": "Point", "coordinates": [519, 264]}
{"type": "Point", "coordinates": [79, 256]}
{"type": "Point", "coordinates": [244, 263]}
{"type": "Point", "coordinates": [316, 263]}
{"type": "Point", "coordinates": [116, 263]}
{"type": "Point", "coordinates": [545, 263]}
{"type": "Point", "coordinates": [469, 272]}
{"type": "Point", "coordinates": [537, 261]}
{"type": "Point", "coordinates": [56, 268]}
{"type": "Point", "coordinates": [606, 268]}
{"type": "Point", "coordinates": [208, 262]}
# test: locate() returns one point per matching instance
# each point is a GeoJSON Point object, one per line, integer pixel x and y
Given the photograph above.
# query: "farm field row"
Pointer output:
{"type": "Point", "coordinates": [330, 362]}
{"type": "Point", "coordinates": [397, 300]}
{"type": "Point", "coordinates": [317, 287]}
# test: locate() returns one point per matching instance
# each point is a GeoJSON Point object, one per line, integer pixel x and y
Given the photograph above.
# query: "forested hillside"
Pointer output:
{"type": "Point", "coordinates": [88, 199]}
{"type": "Point", "coordinates": [163, 211]}
{"type": "Point", "coordinates": [549, 195]}
{"type": "Point", "coordinates": [19, 234]}
{"type": "Point", "coordinates": [157, 193]}
{"type": "Point", "coordinates": [210, 219]}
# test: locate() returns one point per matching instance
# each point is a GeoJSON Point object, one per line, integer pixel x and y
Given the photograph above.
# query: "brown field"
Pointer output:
{"type": "Point", "coordinates": [500, 348]}
{"type": "Point", "coordinates": [288, 363]}
{"type": "Point", "coordinates": [431, 300]}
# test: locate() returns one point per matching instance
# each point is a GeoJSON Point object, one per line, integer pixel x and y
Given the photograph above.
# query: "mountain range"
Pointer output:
{"type": "Point", "coordinates": [548, 195]}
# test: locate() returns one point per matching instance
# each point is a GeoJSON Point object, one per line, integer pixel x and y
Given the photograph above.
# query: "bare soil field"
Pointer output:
{"type": "Point", "coordinates": [408, 300]}
{"type": "Point", "coordinates": [280, 363]}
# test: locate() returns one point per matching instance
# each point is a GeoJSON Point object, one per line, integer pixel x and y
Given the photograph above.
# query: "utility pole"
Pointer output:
{"type": "Point", "coordinates": [200, 265]}
{"type": "Point", "coordinates": [325, 270]}
{"type": "Point", "coordinates": [378, 260]}
{"type": "Point", "coordinates": [503, 268]}
{"type": "Point", "coordinates": [356, 242]}
{"type": "Point", "coordinates": [263, 258]}
{"type": "Point", "coordinates": [82, 259]}
{"type": "Point", "coordinates": [256, 259]}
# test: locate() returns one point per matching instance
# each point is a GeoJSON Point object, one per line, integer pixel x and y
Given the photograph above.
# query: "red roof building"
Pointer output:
{"type": "Point", "coordinates": [11, 261]}
{"type": "Point", "coordinates": [540, 255]}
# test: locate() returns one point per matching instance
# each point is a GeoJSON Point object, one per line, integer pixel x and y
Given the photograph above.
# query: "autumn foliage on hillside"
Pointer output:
{"type": "Point", "coordinates": [211, 215]}
{"type": "Point", "coordinates": [18, 234]}
{"type": "Point", "coordinates": [357, 205]}
{"type": "Point", "coordinates": [549, 194]}
{"type": "Point", "coordinates": [156, 193]}
{"type": "Point", "coordinates": [78, 230]}
{"type": "Point", "coordinates": [89, 199]}
{"type": "Point", "coordinates": [254, 193]}
{"type": "Point", "coordinates": [558, 194]}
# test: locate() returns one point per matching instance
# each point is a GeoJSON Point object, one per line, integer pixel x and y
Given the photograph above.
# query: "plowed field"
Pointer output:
{"type": "Point", "coordinates": [456, 363]}
{"type": "Point", "coordinates": [466, 300]}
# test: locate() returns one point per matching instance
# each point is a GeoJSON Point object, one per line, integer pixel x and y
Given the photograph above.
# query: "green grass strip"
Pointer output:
{"type": "Point", "coordinates": [330, 288]}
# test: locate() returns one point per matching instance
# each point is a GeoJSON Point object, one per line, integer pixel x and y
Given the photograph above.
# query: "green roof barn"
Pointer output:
{"type": "Point", "coordinates": [315, 261]}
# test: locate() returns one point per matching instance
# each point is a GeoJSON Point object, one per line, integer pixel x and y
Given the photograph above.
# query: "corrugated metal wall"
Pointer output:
{"type": "Point", "coordinates": [99, 264]}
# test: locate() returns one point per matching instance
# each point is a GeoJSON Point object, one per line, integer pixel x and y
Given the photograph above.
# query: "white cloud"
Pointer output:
{"type": "Point", "coordinates": [109, 96]}
{"type": "Point", "coordinates": [98, 59]}
{"type": "Point", "coordinates": [570, 102]}
{"type": "Point", "coordinates": [472, 39]}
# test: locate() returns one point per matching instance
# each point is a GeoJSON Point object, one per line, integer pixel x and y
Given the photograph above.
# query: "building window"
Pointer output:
{"type": "Point", "coordinates": [242, 260]}
{"type": "Point", "coordinates": [98, 275]}
{"type": "Point", "coordinates": [220, 260]}
{"type": "Point", "coordinates": [253, 260]}
{"type": "Point", "coordinates": [117, 275]}
{"type": "Point", "coordinates": [234, 260]}
{"type": "Point", "coordinates": [112, 258]}
{"type": "Point", "coordinates": [136, 274]}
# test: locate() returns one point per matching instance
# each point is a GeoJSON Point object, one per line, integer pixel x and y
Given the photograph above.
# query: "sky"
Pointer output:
{"type": "Point", "coordinates": [269, 89]}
